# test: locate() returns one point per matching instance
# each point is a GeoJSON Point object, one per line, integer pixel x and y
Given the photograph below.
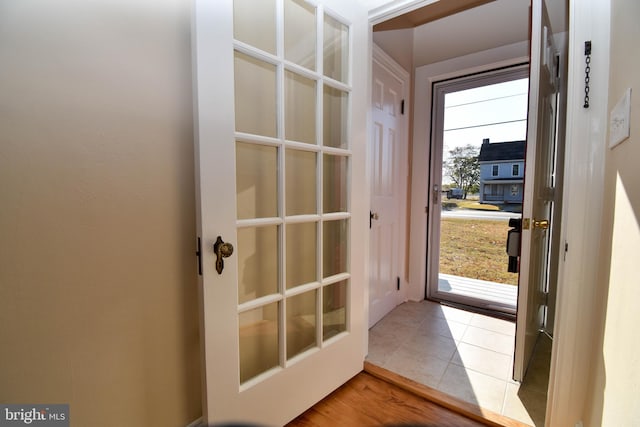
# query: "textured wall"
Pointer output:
{"type": "Point", "coordinates": [616, 369]}
{"type": "Point", "coordinates": [97, 278]}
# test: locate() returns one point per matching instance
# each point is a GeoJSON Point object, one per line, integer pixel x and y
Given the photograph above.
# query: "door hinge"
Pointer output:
{"type": "Point", "coordinates": [566, 249]}
{"type": "Point", "coordinates": [402, 107]}
{"type": "Point", "coordinates": [398, 283]}
{"type": "Point", "coordinates": [199, 255]}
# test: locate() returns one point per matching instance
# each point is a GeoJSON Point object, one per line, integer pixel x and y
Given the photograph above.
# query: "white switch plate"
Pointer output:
{"type": "Point", "coordinates": [619, 120]}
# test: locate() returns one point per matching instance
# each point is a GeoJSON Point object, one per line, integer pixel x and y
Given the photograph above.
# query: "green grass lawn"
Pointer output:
{"type": "Point", "coordinates": [475, 249]}
{"type": "Point", "coordinates": [451, 204]}
{"type": "Point", "coordinates": [448, 204]}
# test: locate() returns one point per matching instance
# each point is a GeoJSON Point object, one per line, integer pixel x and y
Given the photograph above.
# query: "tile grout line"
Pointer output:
{"type": "Point", "coordinates": [421, 319]}
{"type": "Point", "coordinates": [479, 372]}
{"type": "Point", "coordinates": [504, 398]}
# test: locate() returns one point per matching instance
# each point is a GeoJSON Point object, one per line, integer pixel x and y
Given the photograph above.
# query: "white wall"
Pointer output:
{"type": "Point", "coordinates": [398, 45]}
{"type": "Point", "coordinates": [98, 303]}
{"type": "Point", "coordinates": [615, 382]}
{"type": "Point", "coordinates": [578, 294]}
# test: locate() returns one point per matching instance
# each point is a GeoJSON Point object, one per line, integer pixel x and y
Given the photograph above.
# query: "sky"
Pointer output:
{"type": "Point", "coordinates": [497, 112]}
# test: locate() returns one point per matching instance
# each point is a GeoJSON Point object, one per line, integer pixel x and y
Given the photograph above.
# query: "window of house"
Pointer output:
{"type": "Point", "coordinates": [493, 190]}
{"type": "Point", "coordinates": [515, 170]}
{"type": "Point", "coordinates": [494, 170]}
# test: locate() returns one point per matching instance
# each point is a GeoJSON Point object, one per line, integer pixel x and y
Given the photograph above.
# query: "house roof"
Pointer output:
{"type": "Point", "coordinates": [510, 150]}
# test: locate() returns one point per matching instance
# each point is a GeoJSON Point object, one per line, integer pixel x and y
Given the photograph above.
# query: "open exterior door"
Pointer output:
{"type": "Point", "coordinates": [539, 192]}
{"type": "Point", "coordinates": [281, 91]}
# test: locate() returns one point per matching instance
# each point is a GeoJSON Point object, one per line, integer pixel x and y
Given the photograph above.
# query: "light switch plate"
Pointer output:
{"type": "Point", "coordinates": [619, 120]}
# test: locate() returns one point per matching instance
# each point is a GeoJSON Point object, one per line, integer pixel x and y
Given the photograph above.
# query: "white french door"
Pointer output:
{"type": "Point", "coordinates": [280, 139]}
{"type": "Point", "coordinates": [540, 192]}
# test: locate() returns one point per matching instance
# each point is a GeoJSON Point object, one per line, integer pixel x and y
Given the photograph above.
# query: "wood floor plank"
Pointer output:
{"type": "Point", "coordinates": [369, 401]}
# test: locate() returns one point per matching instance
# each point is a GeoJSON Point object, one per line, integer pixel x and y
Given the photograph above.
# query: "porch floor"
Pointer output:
{"type": "Point", "coordinates": [498, 293]}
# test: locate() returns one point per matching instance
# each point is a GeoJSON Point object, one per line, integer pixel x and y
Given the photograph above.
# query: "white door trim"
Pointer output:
{"type": "Point", "coordinates": [575, 321]}
{"type": "Point", "coordinates": [396, 8]}
{"type": "Point", "coordinates": [388, 62]}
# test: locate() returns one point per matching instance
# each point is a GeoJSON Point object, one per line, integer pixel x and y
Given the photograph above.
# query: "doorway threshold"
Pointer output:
{"type": "Point", "coordinates": [447, 401]}
{"type": "Point", "coordinates": [461, 354]}
{"type": "Point", "coordinates": [464, 290]}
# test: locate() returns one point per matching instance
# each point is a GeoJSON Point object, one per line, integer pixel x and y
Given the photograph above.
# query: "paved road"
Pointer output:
{"type": "Point", "coordinates": [478, 214]}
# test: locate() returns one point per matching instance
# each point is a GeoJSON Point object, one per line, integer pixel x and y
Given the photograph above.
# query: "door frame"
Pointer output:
{"type": "Point", "coordinates": [402, 172]}
{"type": "Point", "coordinates": [464, 82]}
{"type": "Point", "coordinates": [576, 327]}
{"type": "Point", "coordinates": [425, 77]}
{"type": "Point", "coordinates": [583, 188]}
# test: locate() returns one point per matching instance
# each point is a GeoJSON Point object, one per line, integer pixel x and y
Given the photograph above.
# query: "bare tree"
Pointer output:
{"type": "Point", "coordinates": [463, 168]}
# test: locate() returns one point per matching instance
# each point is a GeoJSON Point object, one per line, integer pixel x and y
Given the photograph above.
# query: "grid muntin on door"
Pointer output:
{"type": "Point", "coordinates": [293, 183]}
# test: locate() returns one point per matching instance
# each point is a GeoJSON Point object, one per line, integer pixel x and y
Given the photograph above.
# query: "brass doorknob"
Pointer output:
{"type": "Point", "coordinates": [222, 250]}
{"type": "Point", "coordinates": [542, 224]}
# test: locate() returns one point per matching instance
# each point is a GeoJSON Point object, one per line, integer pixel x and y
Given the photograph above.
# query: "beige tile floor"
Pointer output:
{"type": "Point", "coordinates": [464, 354]}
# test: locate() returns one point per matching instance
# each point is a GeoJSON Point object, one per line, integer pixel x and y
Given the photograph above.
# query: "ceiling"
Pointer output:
{"type": "Point", "coordinates": [427, 13]}
{"type": "Point", "coordinates": [493, 24]}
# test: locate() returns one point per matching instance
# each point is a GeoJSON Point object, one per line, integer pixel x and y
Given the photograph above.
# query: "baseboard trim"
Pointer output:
{"type": "Point", "coordinates": [195, 423]}
{"type": "Point", "coordinates": [454, 404]}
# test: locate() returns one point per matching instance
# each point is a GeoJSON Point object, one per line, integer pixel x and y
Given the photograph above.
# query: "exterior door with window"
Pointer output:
{"type": "Point", "coordinates": [280, 148]}
{"type": "Point", "coordinates": [539, 191]}
{"type": "Point", "coordinates": [468, 113]}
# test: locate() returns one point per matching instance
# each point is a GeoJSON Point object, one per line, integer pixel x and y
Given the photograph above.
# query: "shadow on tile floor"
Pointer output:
{"type": "Point", "coordinates": [464, 354]}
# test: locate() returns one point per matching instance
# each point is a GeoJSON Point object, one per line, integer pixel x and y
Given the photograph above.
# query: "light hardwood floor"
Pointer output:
{"type": "Point", "coordinates": [369, 401]}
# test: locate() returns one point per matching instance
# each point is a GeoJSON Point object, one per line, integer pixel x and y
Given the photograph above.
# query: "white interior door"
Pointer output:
{"type": "Point", "coordinates": [388, 186]}
{"type": "Point", "coordinates": [539, 189]}
{"type": "Point", "coordinates": [280, 107]}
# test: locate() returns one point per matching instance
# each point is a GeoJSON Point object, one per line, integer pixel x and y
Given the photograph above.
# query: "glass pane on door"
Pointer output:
{"type": "Point", "coordinates": [255, 95]}
{"type": "Point", "coordinates": [260, 33]}
{"type": "Point", "coordinates": [256, 180]}
{"type": "Point", "coordinates": [334, 246]}
{"type": "Point", "coordinates": [299, 36]}
{"type": "Point", "coordinates": [301, 254]}
{"type": "Point", "coordinates": [258, 269]}
{"type": "Point", "coordinates": [334, 184]}
{"type": "Point", "coordinates": [300, 182]}
{"type": "Point", "coordinates": [335, 117]}
{"type": "Point", "coordinates": [300, 108]}
{"type": "Point", "coordinates": [301, 323]}
{"type": "Point", "coordinates": [336, 49]}
{"type": "Point", "coordinates": [334, 315]}
{"type": "Point", "coordinates": [292, 183]}
{"type": "Point", "coordinates": [259, 339]}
